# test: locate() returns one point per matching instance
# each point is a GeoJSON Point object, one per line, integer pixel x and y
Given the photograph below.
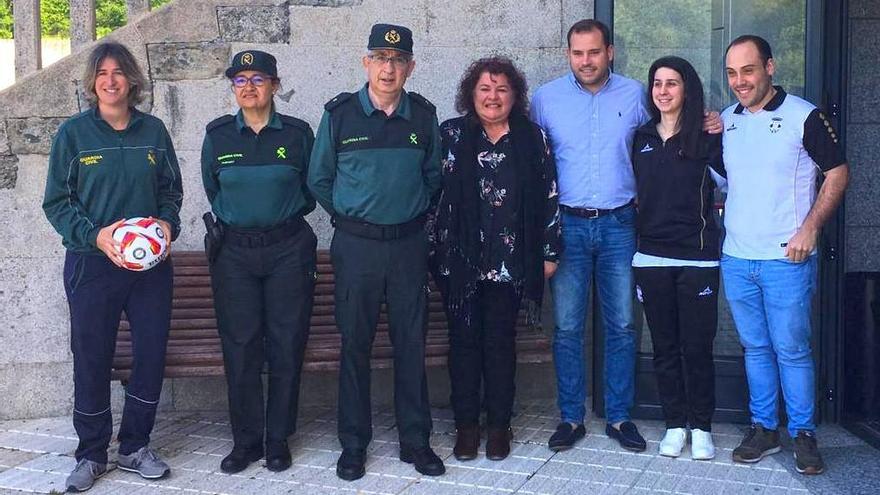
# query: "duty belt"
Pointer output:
{"type": "Point", "coordinates": [254, 238]}
{"type": "Point", "coordinates": [591, 212]}
{"type": "Point", "coordinates": [378, 232]}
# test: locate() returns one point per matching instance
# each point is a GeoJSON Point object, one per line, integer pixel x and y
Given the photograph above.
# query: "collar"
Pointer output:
{"type": "Point", "coordinates": [274, 121]}
{"type": "Point", "coordinates": [136, 117]}
{"type": "Point", "coordinates": [771, 105]}
{"type": "Point", "coordinates": [577, 85]}
{"type": "Point", "coordinates": [402, 110]}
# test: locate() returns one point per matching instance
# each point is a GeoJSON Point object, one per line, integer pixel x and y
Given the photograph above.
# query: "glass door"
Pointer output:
{"type": "Point", "coordinates": [699, 31]}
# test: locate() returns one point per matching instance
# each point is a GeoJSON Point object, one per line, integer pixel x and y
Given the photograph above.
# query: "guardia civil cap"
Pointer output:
{"type": "Point", "coordinates": [390, 37]}
{"type": "Point", "coordinates": [253, 60]}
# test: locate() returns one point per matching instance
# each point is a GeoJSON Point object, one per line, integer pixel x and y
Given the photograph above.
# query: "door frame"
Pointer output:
{"type": "Point", "coordinates": [826, 69]}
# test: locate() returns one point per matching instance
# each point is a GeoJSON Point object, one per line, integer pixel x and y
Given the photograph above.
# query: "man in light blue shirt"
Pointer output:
{"type": "Point", "coordinates": [591, 116]}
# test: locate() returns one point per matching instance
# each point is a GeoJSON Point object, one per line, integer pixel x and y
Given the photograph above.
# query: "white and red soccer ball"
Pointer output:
{"type": "Point", "coordinates": [143, 243]}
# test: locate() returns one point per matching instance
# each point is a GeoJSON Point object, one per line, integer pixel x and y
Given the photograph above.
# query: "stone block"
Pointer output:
{"type": "Point", "coordinates": [32, 135]}
{"type": "Point", "coordinates": [33, 310]}
{"type": "Point", "coordinates": [195, 203]}
{"type": "Point", "coordinates": [187, 106]}
{"type": "Point", "coordinates": [254, 24]}
{"type": "Point", "coordinates": [864, 9]}
{"type": "Point", "coordinates": [8, 171]}
{"type": "Point", "coordinates": [327, 3]}
{"type": "Point", "coordinates": [863, 150]}
{"type": "Point", "coordinates": [573, 11]}
{"type": "Point", "coordinates": [4, 140]}
{"type": "Point", "coordinates": [862, 245]}
{"type": "Point", "coordinates": [199, 394]}
{"type": "Point", "coordinates": [189, 60]}
{"type": "Point", "coordinates": [864, 73]}
{"type": "Point", "coordinates": [36, 389]}
{"type": "Point", "coordinates": [472, 23]}
{"type": "Point", "coordinates": [24, 229]}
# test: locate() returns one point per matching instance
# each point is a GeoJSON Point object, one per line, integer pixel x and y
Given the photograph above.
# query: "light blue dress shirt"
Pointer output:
{"type": "Point", "coordinates": [591, 136]}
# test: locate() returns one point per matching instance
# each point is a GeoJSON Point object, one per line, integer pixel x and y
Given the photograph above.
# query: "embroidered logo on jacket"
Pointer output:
{"type": "Point", "coordinates": [91, 159]}
{"type": "Point", "coordinates": [358, 139]}
{"type": "Point", "coordinates": [646, 149]}
{"type": "Point", "coordinates": [151, 157]}
{"type": "Point", "coordinates": [705, 292]}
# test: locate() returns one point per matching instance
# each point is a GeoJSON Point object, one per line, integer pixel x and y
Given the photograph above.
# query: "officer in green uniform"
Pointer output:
{"type": "Point", "coordinates": [375, 168]}
{"type": "Point", "coordinates": [254, 168]}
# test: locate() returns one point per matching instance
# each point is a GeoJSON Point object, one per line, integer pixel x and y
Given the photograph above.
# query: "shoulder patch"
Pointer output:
{"type": "Point", "coordinates": [219, 121]}
{"type": "Point", "coordinates": [295, 122]}
{"type": "Point", "coordinates": [421, 100]}
{"type": "Point", "coordinates": [337, 100]}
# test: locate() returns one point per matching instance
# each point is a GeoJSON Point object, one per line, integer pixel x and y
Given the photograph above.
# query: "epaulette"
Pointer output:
{"type": "Point", "coordinates": [337, 100]}
{"type": "Point", "coordinates": [302, 124]}
{"type": "Point", "coordinates": [421, 100]}
{"type": "Point", "coordinates": [219, 121]}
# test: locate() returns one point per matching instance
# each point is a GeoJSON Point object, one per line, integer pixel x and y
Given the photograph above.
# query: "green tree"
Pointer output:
{"type": "Point", "coordinates": [5, 19]}
{"type": "Point", "coordinates": [55, 18]}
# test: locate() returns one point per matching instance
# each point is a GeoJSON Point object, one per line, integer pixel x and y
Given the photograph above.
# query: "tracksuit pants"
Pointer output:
{"type": "Point", "coordinates": [98, 292]}
{"type": "Point", "coordinates": [681, 307]}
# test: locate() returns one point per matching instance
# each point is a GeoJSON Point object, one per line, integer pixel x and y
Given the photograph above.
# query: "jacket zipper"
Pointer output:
{"type": "Point", "coordinates": [702, 209]}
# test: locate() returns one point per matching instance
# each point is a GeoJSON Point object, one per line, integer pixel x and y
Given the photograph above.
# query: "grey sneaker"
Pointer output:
{"type": "Point", "coordinates": [84, 475]}
{"type": "Point", "coordinates": [806, 453]}
{"type": "Point", "coordinates": [144, 462]}
{"type": "Point", "coordinates": [757, 444]}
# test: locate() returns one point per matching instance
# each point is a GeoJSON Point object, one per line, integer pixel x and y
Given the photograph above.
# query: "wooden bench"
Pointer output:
{"type": "Point", "coordinates": [194, 345]}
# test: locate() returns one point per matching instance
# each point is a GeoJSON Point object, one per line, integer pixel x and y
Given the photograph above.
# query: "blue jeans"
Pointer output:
{"type": "Point", "coordinates": [605, 247]}
{"type": "Point", "coordinates": [770, 301]}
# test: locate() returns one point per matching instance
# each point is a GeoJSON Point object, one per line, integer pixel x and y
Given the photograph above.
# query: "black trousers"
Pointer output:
{"type": "Point", "coordinates": [368, 272]}
{"type": "Point", "coordinates": [263, 301]}
{"type": "Point", "coordinates": [482, 352]}
{"type": "Point", "coordinates": [681, 307]}
{"type": "Point", "coordinates": [97, 293]}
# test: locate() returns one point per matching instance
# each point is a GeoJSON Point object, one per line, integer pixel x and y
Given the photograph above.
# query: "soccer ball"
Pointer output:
{"type": "Point", "coordinates": [143, 243]}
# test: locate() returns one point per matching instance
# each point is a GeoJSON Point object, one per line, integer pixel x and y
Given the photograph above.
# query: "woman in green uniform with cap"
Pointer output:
{"type": "Point", "coordinates": [254, 168]}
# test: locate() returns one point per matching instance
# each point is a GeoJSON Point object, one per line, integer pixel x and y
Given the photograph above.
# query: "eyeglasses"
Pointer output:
{"type": "Point", "coordinates": [397, 61]}
{"type": "Point", "coordinates": [257, 80]}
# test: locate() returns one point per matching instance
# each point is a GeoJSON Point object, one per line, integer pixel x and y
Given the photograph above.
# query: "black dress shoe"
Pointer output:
{"type": "Point", "coordinates": [498, 443]}
{"type": "Point", "coordinates": [467, 442]}
{"type": "Point", "coordinates": [277, 456]}
{"type": "Point", "coordinates": [628, 436]}
{"type": "Point", "coordinates": [351, 464]}
{"type": "Point", "coordinates": [424, 459]}
{"type": "Point", "coordinates": [239, 459]}
{"type": "Point", "coordinates": [565, 436]}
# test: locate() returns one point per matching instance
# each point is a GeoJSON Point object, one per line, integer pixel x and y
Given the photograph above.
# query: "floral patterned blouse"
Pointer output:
{"type": "Point", "coordinates": [501, 258]}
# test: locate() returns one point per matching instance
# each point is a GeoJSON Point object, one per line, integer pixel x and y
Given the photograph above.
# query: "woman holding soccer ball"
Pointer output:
{"type": "Point", "coordinates": [107, 164]}
{"type": "Point", "coordinates": [254, 168]}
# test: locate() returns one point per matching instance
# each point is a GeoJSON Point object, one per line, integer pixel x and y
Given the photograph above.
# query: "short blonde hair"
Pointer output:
{"type": "Point", "coordinates": [128, 64]}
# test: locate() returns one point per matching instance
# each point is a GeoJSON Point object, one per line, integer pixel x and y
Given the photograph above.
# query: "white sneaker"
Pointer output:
{"type": "Point", "coordinates": [673, 442]}
{"type": "Point", "coordinates": [702, 447]}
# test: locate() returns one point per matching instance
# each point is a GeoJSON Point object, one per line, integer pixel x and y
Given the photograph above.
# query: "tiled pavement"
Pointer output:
{"type": "Point", "coordinates": [36, 456]}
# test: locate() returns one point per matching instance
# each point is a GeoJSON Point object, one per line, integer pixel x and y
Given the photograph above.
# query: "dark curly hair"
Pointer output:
{"type": "Point", "coordinates": [464, 100]}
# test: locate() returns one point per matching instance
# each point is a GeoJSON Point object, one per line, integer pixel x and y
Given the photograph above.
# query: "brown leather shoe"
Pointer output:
{"type": "Point", "coordinates": [467, 441]}
{"type": "Point", "coordinates": [498, 443]}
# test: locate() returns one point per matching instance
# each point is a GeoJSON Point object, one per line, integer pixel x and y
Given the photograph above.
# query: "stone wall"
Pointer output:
{"type": "Point", "coordinates": [184, 47]}
{"type": "Point", "coordinates": [863, 138]}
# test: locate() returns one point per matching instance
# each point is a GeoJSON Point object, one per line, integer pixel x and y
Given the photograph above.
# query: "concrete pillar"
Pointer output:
{"type": "Point", "coordinates": [28, 57]}
{"type": "Point", "coordinates": [136, 8]}
{"type": "Point", "coordinates": [82, 23]}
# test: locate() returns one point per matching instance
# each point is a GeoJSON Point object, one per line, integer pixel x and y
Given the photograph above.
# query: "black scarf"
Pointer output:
{"type": "Point", "coordinates": [462, 207]}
